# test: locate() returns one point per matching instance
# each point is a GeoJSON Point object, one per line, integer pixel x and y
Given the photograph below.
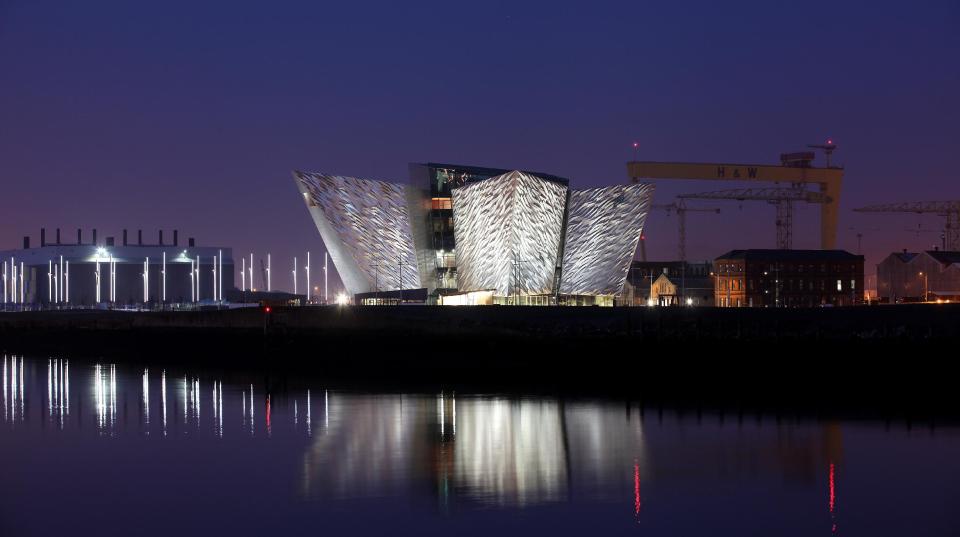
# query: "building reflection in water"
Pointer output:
{"type": "Point", "coordinates": [501, 451]}
{"type": "Point", "coordinates": [163, 400]}
{"type": "Point", "coordinates": [13, 386]}
{"type": "Point", "coordinates": [509, 452]}
{"type": "Point", "coordinates": [105, 396]}
{"type": "Point", "coordinates": [495, 451]}
{"type": "Point", "coordinates": [58, 390]}
{"type": "Point", "coordinates": [367, 446]}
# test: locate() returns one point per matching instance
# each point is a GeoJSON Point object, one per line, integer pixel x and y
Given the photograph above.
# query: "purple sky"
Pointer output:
{"type": "Point", "coordinates": [191, 115]}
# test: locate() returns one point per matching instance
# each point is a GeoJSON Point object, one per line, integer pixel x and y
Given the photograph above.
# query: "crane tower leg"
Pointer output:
{"type": "Point", "coordinates": [951, 231]}
{"type": "Point", "coordinates": [784, 224]}
{"type": "Point", "coordinates": [829, 214]}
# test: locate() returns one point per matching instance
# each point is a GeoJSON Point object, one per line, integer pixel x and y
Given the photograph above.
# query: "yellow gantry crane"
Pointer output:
{"type": "Point", "coordinates": [782, 198]}
{"type": "Point", "coordinates": [795, 169]}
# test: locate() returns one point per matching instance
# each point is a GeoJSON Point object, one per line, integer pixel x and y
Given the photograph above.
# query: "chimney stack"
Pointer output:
{"type": "Point", "coordinates": [161, 237]}
{"type": "Point", "coordinates": [79, 236]}
{"type": "Point", "coordinates": [192, 242]}
{"type": "Point", "coordinates": [94, 237]}
{"type": "Point", "coordinates": [176, 241]}
{"type": "Point", "coordinates": [58, 236]}
{"type": "Point", "coordinates": [26, 242]}
{"type": "Point", "coordinates": [43, 236]}
{"type": "Point", "coordinates": [124, 237]}
{"type": "Point", "coordinates": [139, 237]}
{"type": "Point", "coordinates": [110, 241]}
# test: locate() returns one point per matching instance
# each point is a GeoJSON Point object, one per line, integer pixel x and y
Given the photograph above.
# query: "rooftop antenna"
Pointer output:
{"type": "Point", "coordinates": [828, 149]}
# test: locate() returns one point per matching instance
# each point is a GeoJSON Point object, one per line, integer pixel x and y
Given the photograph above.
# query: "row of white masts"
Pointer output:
{"type": "Point", "coordinates": [13, 282]}
{"type": "Point", "coordinates": [246, 275]}
{"type": "Point", "coordinates": [58, 279]}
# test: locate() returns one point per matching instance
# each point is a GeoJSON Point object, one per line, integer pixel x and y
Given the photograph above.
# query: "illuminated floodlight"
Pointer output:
{"type": "Point", "coordinates": [651, 303]}
{"type": "Point", "coordinates": [689, 301]}
{"type": "Point", "coordinates": [343, 299]}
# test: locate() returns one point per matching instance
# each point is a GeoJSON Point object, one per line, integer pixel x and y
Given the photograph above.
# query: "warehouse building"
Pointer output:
{"type": "Point", "coordinates": [102, 272]}
{"type": "Point", "coordinates": [916, 277]}
{"type": "Point", "coordinates": [788, 278]}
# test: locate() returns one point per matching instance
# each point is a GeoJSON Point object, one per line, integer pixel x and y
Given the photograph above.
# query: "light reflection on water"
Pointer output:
{"type": "Point", "coordinates": [507, 453]}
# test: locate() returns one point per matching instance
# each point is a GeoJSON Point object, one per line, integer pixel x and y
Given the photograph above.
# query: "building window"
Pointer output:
{"type": "Point", "coordinates": [441, 203]}
{"type": "Point", "coordinates": [839, 285]}
{"type": "Point", "coordinates": [853, 284]}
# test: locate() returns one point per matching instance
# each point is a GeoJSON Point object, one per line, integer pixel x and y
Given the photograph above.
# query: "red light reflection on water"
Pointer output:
{"type": "Point", "coordinates": [636, 489]}
{"type": "Point", "coordinates": [832, 502]}
{"type": "Point", "coordinates": [268, 414]}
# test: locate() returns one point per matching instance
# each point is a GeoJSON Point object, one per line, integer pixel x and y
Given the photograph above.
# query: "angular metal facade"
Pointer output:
{"type": "Point", "coordinates": [603, 229]}
{"type": "Point", "coordinates": [508, 231]}
{"type": "Point", "coordinates": [365, 226]}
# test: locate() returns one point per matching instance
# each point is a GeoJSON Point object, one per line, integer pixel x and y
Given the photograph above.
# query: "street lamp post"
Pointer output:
{"type": "Point", "coordinates": [926, 287]}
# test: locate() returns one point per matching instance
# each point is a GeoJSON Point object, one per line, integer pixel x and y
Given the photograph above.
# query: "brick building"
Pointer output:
{"type": "Point", "coordinates": [788, 278]}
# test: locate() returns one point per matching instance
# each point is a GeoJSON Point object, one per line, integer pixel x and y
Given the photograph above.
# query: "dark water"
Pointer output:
{"type": "Point", "coordinates": [102, 449]}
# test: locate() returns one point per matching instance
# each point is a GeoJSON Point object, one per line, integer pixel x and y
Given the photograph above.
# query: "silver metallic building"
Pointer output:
{"type": "Point", "coordinates": [365, 226]}
{"type": "Point", "coordinates": [517, 235]}
{"type": "Point", "coordinates": [508, 230]}
{"type": "Point", "coordinates": [603, 229]}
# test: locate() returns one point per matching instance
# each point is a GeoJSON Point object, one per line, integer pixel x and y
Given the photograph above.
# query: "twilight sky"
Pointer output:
{"type": "Point", "coordinates": [191, 115]}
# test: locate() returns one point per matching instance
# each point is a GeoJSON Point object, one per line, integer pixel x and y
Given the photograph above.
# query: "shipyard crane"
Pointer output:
{"type": "Point", "coordinates": [794, 169]}
{"type": "Point", "coordinates": [782, 198]}
{"type": "Point", "coordinates": [950, 210]}
{"type": "Point", "coordinates": [679, 207]}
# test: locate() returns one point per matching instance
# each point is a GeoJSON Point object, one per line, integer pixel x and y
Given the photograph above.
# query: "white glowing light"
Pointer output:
{"type": "Point", "coordinates": [214, 271]}
{"type": "Point", "coordinates": [96, 278]}
{"type": "Point", "coordinates": [163, 398]}
{"type": "Point", "coordinates": [294, 275]}
{"type": "Point", "coordinates": [689, 301]}
{"type": "Point", "coordinates": [308, 277]}
{"type": "Point", "coordinates": [146, 398]}
{"type": "Point", "coordinates": [650, 302]}
{"type": "Point", "coordinates": [220, 281]}
{"type": "Point", "coordinates": [163, 274]}
{"type": "Point", "coordinates": [113, 279]}
{"type": "Point", "coordinates": [342, 299]}
{"type": "Point", "coordinates": [146, 280]}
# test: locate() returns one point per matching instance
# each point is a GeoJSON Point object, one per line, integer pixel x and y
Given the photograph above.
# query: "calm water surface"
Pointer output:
{"type": "Point", "coordinates": [102, 449]}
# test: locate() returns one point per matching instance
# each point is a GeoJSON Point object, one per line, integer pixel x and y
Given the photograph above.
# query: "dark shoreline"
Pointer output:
{"type": "Point", "coordinates": [886, 362]}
